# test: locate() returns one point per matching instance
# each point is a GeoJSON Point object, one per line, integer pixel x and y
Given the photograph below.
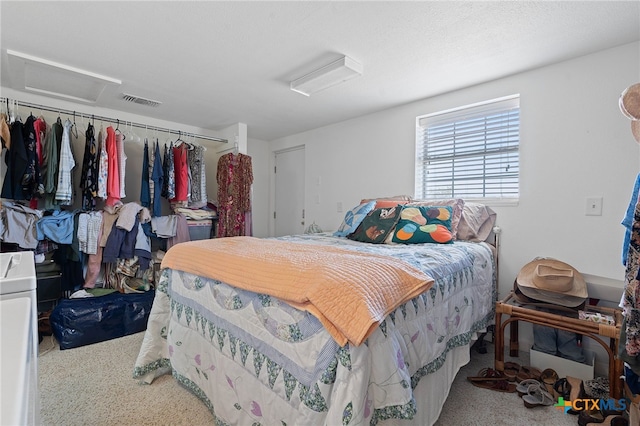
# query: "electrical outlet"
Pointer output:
{"type": "Point", "coordinates": [339, 207]}
{"type": "Point", "coordinates": [594, 206]}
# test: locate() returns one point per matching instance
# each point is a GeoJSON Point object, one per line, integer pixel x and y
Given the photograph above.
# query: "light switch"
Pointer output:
{"type": "Point", "coordinates": [594, 206]}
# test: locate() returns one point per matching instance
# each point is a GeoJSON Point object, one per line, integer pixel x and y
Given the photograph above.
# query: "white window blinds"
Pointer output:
{"type": "Point", "coordinates": [470, 152]}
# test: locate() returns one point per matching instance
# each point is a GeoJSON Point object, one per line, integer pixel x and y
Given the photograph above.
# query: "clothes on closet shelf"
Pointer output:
{"type": "Point", "coordinates": [18, 225]}
{"type": "Point", "coordinates": [90, 239]}
{"type": "Point", "coordinates": [234, 177]}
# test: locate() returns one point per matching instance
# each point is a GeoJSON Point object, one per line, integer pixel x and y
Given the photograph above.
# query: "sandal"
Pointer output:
{"type": "Point", "coordinates": [488, 378]}
{"type": "Point", "coordinates": [597, 388]}
{"type": "Point", "coordinates": [537, 397]}
{"type": "Point", "coordinates": [562, 388]}
{"type": "Point", "coordinates": [511, 370]}
{"type": "Point", "coordinates": [549, 377]}
{"type": "Point", "coordinates": [523, 386]}
{"type": "Point", "coordinates": [527, 372]}
{"type": "Point", "coordinates": [616, 420]}
{"type": "Point", "coordinates": [576, 391]}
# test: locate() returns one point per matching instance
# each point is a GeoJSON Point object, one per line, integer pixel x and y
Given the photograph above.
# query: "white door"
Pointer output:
{"type": "Point", "coordinates": [289, 192]}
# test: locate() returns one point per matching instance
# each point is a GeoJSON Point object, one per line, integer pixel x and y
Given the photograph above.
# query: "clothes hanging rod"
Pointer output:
{"type": "Point", "coordinates": [180, 133]}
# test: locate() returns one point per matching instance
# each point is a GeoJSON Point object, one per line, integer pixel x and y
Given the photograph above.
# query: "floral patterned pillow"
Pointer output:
{"type": "Point", "coordinates": [377, 225]}
{"type": "Point", "coordinates": [424, 224]}
{"type": "Point", "coordinates": [353, 218]}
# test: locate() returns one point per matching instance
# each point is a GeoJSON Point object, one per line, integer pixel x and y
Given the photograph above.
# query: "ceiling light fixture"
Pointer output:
{"type": "Point", "coordinates": [336, 72]}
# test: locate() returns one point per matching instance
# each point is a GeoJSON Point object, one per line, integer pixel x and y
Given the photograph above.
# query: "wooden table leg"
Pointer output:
{"type": "Point", "coordinates": [514, 346]}
{"type": "Point", "coordinates": [499, 343]}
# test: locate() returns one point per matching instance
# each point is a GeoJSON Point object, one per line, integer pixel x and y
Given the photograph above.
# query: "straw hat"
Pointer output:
{"type": "Point", "coordinates": [629, 102]}
{"type": "Point", "coordinates": [552, 281]}
{"type": "Point", "coordinates": [635, 129]}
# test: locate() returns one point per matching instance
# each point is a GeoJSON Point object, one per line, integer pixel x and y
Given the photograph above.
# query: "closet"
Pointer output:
{"type": "Point", "coordinates": [59, 172]}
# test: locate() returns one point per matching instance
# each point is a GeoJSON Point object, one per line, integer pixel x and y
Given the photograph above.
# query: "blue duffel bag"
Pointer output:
{"type": "Point", "coordinates": [84, 321]}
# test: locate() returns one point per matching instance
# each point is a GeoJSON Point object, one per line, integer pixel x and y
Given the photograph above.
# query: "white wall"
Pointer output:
{"type": "Point", "coordinates": [575, 143]}
{"type": "Point", "coordinates": [259, 152]}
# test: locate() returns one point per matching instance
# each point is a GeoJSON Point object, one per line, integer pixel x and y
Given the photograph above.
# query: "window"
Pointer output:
{"type": "Point", "coordinates": [470, 152]}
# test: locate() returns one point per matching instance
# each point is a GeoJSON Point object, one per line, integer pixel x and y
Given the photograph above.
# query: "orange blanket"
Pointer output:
{"type": "Point", "coordinates": [348, 291]}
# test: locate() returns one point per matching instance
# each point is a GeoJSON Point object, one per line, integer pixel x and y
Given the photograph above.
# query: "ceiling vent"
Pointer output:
{"type": "Point", "coordinates": [141, 101]}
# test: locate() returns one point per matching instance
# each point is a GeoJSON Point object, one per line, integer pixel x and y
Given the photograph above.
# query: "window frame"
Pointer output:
{"type": "Point", "coordinates": [458, 114]}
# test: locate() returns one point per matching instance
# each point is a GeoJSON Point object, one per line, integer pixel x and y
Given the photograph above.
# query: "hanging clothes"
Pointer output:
{"type": "Point", "coordinates": [157, 177]}
{"type": "Point", "coordinates": [40, 127]}
{"type": "Point", "coordinates": [122, 162]}
{"type": "Point", "coordinates": [629, 350]}
{"type": "Point", "coordinates": [168, 169]}
{"type": "Point", "coordinates": [50, 165]}
{"type": "Point", "coordinates": [234, 177]}
{"type": "Point", "coordinates": [145, 190]}
{"type": "Point", "coordinates": [89, 175]}
{"type": "Point", "coordinates": [5, 133]}
{"type": "Point", "coordinates": [17, 162]}
{"type": "Point", "coordinates": [181, 169]}
{"type": "Point", "coordinates": [113, 175]}
{"type": "Point", "coordinates": [103, 164]}
{"type": "Point", "coordinates": [198, 197]}
{"type": "Point", "coordinates": [64, 190]}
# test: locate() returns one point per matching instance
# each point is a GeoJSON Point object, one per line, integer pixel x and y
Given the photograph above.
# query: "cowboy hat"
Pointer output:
{"type": "Point", "coordinates": [629, 102]}
{"type": "Point", "coordinates": [552, 281]}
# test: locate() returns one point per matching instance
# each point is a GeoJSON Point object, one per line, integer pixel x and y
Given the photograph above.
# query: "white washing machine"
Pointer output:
{"type": "Point", "coordinates": [20, 401]}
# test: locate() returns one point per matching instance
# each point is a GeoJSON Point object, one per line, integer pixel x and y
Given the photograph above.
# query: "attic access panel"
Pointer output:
{"type": "Point", "coordinates": [50, 78]}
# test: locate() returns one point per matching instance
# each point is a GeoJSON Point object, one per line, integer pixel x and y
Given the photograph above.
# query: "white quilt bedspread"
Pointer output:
{"type": "Point", "coordinates": [253, 359]}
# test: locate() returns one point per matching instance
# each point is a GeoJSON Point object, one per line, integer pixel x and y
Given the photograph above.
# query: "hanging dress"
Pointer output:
{"type": "Point", "coordinates": [145, 195]}
{"type": "Point", "coordinates": [113, 176]}
{"type": "Point", "coordinates": [103, 164]}
{"type": "Point", "coordinates": [89, 175]}
{"type": "Point", "coordinates": [234, 177]}
{"type": "Point", "coordinates": [181, 174]}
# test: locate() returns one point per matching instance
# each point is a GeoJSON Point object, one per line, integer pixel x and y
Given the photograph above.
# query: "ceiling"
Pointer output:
{"type": "Point", "coordinates": [212, 64]}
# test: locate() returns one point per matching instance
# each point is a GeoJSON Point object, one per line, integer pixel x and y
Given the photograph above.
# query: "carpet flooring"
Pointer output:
{"type": "Point", "coordinates": [93, 385]}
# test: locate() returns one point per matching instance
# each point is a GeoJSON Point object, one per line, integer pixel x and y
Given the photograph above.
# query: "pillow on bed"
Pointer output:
{"type": "Point", "coordinates": [456, 203]}
{"type": "Point", "coordinates": [387, 202]}
{"type": "Point", "coordinates": [476, 222]}
{"type": "Point", "coordinates": [353, 218]}
{"type": "Point", "coordinates": [424, 224]}
{"type": "Point", "coordinates": [377, 225]}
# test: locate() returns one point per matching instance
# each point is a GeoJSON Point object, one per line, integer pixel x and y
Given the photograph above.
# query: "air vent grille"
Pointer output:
{"type": "Point", "coordinates": [140, 100]}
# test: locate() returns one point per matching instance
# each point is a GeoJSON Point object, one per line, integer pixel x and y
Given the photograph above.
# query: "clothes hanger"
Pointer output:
{"type": "Point", "coordinates": [74, 127]}
{"type": "Point", "coordinates": [179, 140]}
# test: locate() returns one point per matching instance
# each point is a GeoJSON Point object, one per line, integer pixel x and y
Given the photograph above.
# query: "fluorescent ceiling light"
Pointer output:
{"type": "Point", "coordinates": [339, 71]}
{"type": "Point", "coordinates": [50, 78]}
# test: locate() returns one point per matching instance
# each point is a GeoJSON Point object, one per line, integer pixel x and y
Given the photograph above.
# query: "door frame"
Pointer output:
{"type": "Point", "coordinates": [272, 184]}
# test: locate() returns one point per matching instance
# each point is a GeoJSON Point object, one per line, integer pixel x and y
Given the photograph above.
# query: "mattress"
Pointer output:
{"type": "Point", "coordinates": [253, 359]}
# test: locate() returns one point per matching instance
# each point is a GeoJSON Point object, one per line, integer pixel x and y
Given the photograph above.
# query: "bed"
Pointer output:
{"type": "Point", "coordinates": [225, 324]}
